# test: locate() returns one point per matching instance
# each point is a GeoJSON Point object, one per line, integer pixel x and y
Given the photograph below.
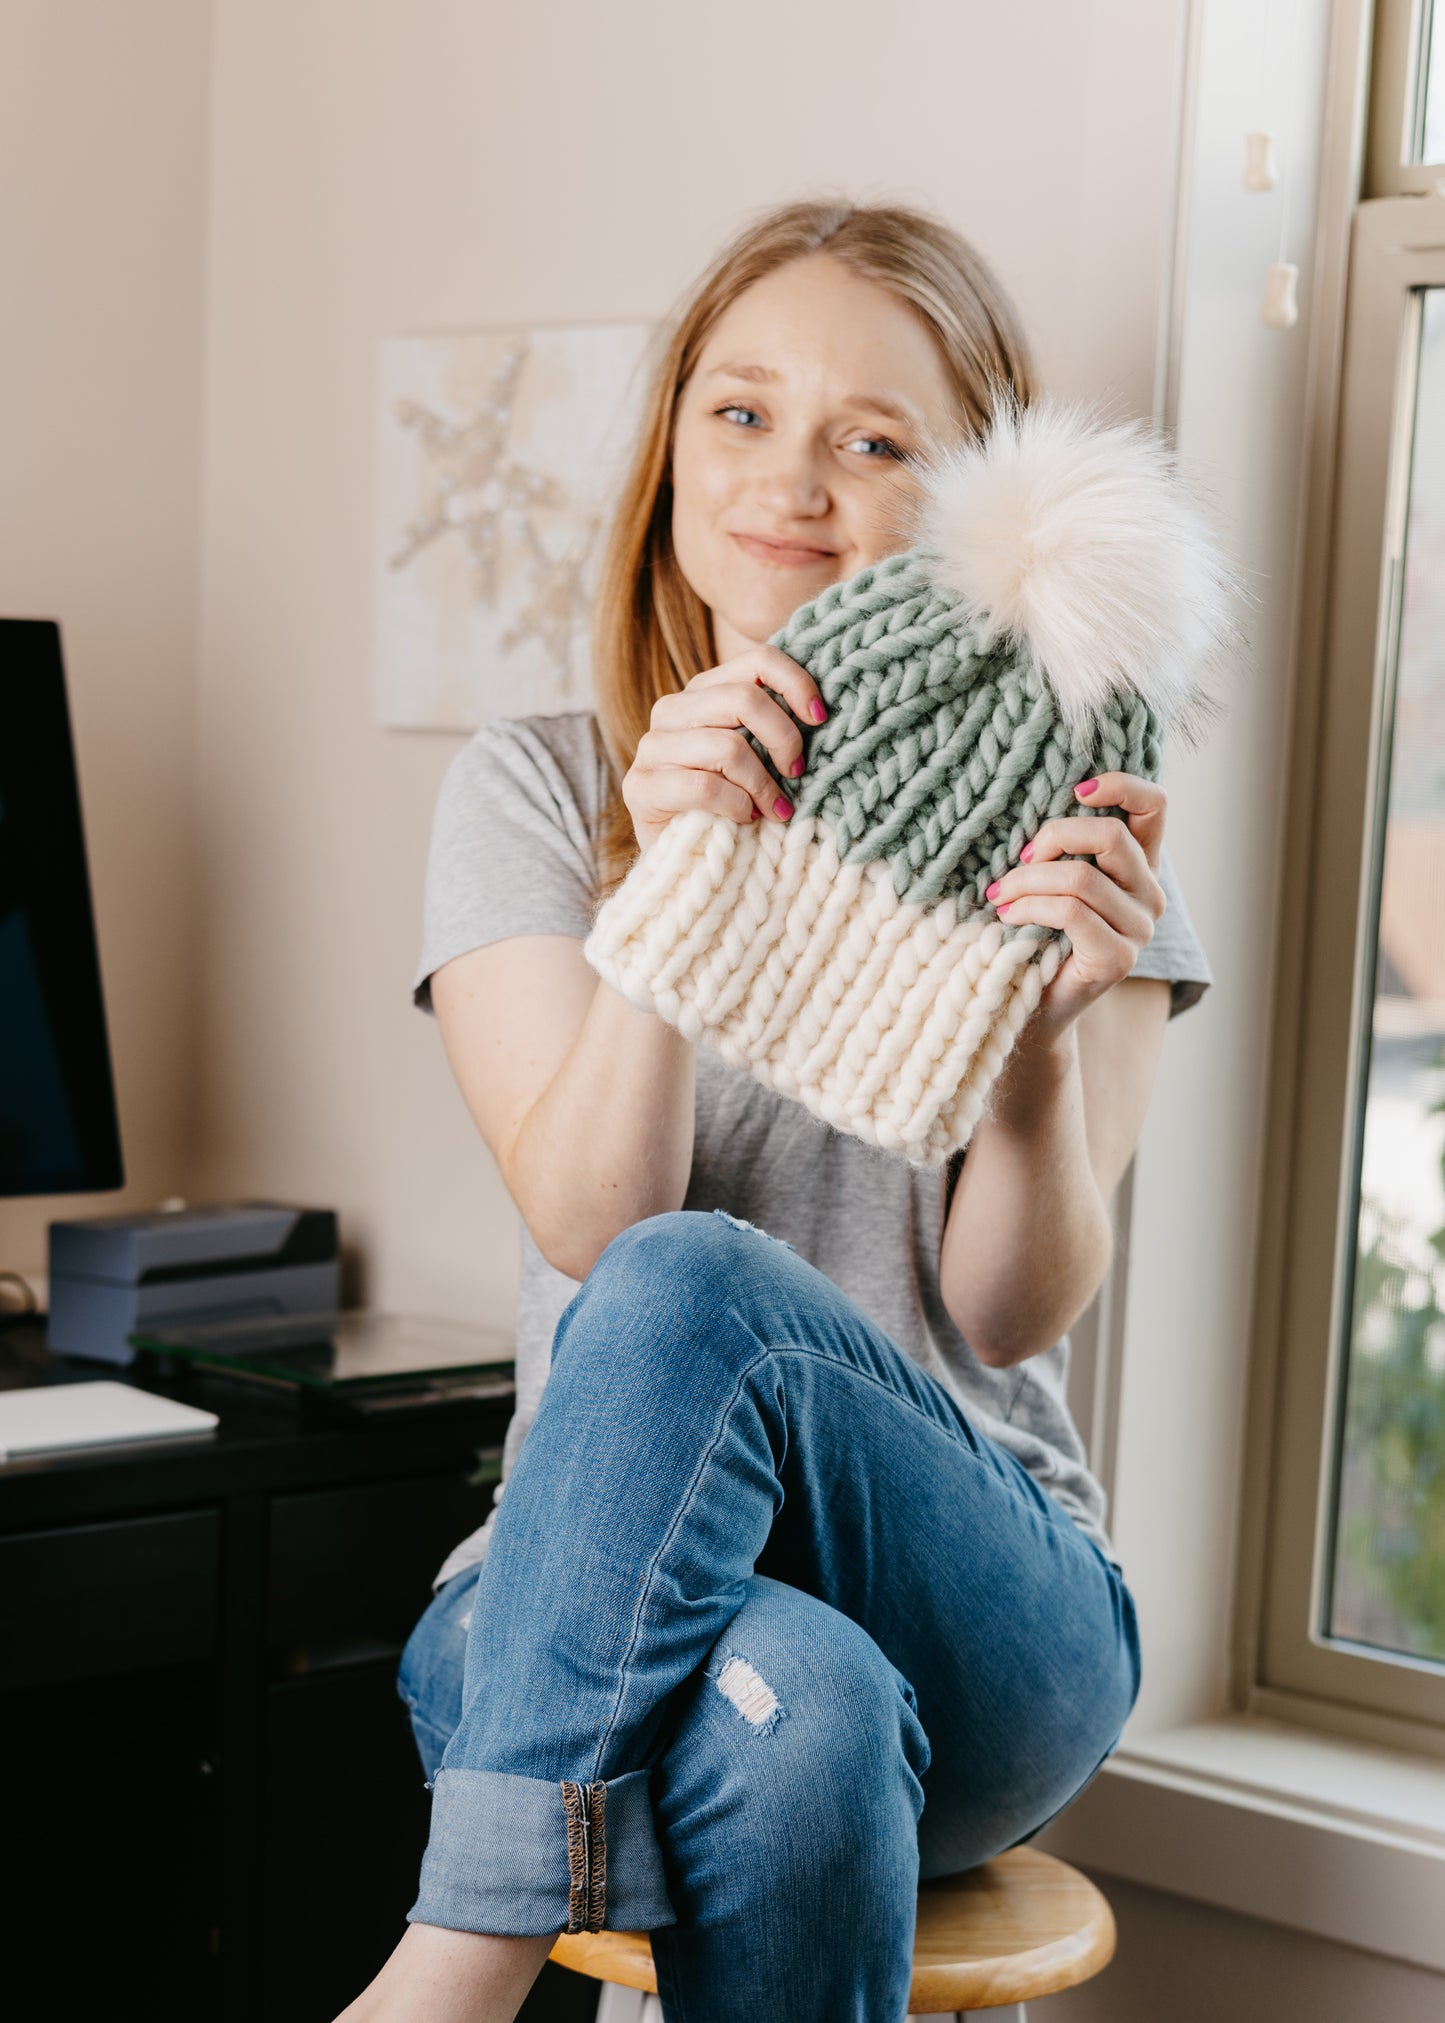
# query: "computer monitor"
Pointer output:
{"type": "Point", "coordinates": [58, 1127]}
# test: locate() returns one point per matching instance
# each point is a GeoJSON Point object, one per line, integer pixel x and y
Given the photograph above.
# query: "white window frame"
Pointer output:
{"type": "Point", "coordinates": [1396, 87]}
{"type": "Point", "coordinates": [1397, 247]}
{"type": "Point", "coordinates": [1285, 1667]}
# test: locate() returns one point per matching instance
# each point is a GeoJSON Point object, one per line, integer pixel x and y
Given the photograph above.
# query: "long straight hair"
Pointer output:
{"type": "Point", "coordinates": [651, 632]}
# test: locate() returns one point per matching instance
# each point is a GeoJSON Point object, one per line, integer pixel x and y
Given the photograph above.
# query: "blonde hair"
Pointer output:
{"type": "Point", "coordinates": [651, 632]}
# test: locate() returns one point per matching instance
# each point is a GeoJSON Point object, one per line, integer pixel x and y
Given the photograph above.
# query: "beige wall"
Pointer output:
{"type": "Point", "coordinates": [1183, 1962]}
{"type": "Point", "coordinates": [415, 166]}
{"type": "Point", "coordinates": [102, 235]}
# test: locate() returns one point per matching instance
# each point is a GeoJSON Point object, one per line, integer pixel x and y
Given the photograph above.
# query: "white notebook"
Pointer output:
{"type": "Point", "coordinates": [51, 1417]}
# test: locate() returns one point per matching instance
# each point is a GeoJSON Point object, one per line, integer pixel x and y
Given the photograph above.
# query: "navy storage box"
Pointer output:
{"type": "Point", "coordinates": [113, 1274]}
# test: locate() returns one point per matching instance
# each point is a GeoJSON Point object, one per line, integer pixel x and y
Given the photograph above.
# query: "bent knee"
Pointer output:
{"type": "Point", "coordinates": [795, 1767]}
{"type": "Point", "coordinates": [703, 1242]}
{"type": "Point", "coordinates": [796, 1676]}
{"type": "Point", "coordinates": [664, 1281]}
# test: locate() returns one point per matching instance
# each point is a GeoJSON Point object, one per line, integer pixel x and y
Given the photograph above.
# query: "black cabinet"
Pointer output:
{"type": "Point", "coordinates": [342, 1563]}
{"type": "Point", "coordinates": [214, 1811]}
{"type": "Point", "coordinates": [111, 1808]}
{"type": "Point", "coordinates": [338, 1755]}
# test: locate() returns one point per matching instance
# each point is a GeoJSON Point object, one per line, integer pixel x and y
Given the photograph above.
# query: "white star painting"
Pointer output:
{"type": "Point", "coordinates": [499, 456]}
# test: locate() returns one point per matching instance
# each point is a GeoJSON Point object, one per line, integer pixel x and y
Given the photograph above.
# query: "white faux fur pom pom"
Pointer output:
{"type": "Point", "coordinates": [1077, 538]}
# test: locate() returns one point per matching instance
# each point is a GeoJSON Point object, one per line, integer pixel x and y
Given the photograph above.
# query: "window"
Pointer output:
{"type": "Point", "coordinates": [1354, 1612]}
{"type": "Point", "coordinates": [1387, 1575]}
{"type": "Point", "coordinates": [1407, 98]}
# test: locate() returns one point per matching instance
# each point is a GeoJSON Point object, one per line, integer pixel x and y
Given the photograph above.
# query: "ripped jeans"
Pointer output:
{"type": "Point", "coordinates": [766, 1631]}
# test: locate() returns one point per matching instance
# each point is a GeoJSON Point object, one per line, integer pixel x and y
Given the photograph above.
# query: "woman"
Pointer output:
{"type": "Point", "coordinates": [799, 1586]}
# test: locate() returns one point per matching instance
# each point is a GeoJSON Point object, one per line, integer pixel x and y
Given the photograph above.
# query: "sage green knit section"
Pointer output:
{"type": "Point", "coordinates": [937, 755]}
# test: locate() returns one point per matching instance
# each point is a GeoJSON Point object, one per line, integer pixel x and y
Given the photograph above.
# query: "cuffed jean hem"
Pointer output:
{"type": "Point", "coordinates": [523, 1855]}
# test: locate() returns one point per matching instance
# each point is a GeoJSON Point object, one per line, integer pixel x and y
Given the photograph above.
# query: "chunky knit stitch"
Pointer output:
{"type": "Point", "coordinates": [849, 957]}
{"type": "Point", "coordinates": [937, 756]}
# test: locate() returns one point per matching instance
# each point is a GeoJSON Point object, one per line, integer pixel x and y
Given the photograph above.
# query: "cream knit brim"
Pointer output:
{"type": "Point", "coordinates": [888, 1020]}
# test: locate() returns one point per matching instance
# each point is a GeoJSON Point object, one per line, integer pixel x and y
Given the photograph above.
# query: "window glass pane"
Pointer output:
{"type": "Point", "coordinates": [1387, 1587]}
{"type": "Point", "coordinates": [1432, 73]}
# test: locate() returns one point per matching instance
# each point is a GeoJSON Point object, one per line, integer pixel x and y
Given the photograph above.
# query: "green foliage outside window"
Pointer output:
{"type": "Point", "coordinates": [1394, 1539]}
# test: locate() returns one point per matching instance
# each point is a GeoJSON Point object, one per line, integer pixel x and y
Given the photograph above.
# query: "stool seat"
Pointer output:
{"type": "Point", "coordinates": [1022, 1925]}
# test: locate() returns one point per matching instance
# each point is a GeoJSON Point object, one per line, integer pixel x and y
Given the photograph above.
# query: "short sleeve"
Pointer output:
{"type": "Point", "coordinates": [511, 848]}
{"type": "Point", "coordinates": [1175, 952]}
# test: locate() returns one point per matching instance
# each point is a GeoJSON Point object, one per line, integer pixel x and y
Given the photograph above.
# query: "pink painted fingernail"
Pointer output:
{"type": "Point", "coordinates": [756, 815]}
{"type": "Point", "coordinates": [1026, 852]}
{"type": "Point", "coordinates": [797, 767]}
{"type": "Point", "coordinates": [1006, 905]}
{"type": "Point", "coordinates": [816, 710]}
{"type": "Point", "coordinates": [994, 889]}
{"type": "Point", "coordinates": [1086, 786]}
{"type": "Point", "coordinates": [782, 809]}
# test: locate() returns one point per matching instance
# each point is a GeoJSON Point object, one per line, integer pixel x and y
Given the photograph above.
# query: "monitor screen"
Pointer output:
{"type": "Point", "coordinates": [58, 1130]}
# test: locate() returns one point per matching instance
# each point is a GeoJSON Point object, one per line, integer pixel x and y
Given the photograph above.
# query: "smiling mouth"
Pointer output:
{"type": "Point", "coordinates": [783, 554]}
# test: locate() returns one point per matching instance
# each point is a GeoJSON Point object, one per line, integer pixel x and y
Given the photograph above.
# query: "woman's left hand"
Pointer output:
{"type": "Point", "coordinates": [1108, 907]}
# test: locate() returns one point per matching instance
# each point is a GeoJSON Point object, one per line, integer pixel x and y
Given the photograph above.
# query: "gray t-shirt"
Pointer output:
{"type": "Point", "coordinates": [512, 852]}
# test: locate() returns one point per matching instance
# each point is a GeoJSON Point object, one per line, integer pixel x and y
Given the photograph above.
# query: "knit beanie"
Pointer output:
{"type": "Point", "coordinates": [1062, 606]}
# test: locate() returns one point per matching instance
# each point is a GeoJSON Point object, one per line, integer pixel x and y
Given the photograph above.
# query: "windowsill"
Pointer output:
{"type": "Point", "coordinates": [1327, 1835]}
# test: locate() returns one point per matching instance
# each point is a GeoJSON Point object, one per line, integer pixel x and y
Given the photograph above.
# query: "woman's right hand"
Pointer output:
{"type": "Point", "coordinates": [694, 754]}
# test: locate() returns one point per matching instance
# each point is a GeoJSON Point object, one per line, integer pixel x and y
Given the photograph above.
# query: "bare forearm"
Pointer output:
{"type": "Point", "coordinates": [1028, 1236]}
{"type": "Point", "coordinates": [610, 1140]}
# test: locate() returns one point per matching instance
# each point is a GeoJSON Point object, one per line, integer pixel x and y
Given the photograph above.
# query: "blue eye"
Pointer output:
{"type": "Point", "coordinates": [879, 446]}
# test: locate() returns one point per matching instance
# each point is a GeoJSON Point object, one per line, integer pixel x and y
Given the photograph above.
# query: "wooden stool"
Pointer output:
{"type": "Point", "coordinates": [1022, 1925]}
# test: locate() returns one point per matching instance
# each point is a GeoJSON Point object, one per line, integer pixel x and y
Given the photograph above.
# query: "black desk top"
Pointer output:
{"type": "Point", "coordinates": [266, 1440]}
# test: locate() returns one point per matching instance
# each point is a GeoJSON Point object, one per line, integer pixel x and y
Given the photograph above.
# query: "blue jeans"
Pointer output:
{"type": "Point", "coordinates": [766, 1631]}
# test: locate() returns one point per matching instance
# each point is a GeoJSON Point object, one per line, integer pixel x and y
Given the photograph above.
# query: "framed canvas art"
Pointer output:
{"type": "Point", "coordinates": [499, 456]}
